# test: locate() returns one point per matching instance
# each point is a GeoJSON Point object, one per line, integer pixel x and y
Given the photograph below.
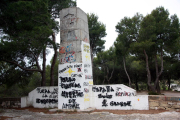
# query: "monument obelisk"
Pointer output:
{"type": "Point", "coordinates": [75, 69]}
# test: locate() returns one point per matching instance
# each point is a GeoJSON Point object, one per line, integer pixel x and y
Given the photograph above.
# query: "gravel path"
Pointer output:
{"type": "Point", "coordinates": [28, 115]}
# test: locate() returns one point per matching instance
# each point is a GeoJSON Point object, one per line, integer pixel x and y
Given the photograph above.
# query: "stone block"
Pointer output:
{"type": "Point", "coordinates": [81, 14]}
{"type": "Point", "coordinates": [161, 108]}
{"type": "Point", "coordinates": [79, 57]}
{"type": "Point", "coordinates": [171, 103]}
{"type": "Point", "coordinates": [176, 106]}
{"type": "Point", "coordinates": [169, 109]}
{"type": "Point", "coordinates": [153, 103]}
{"type": "Point", "coordinates": [80, 24]}
{"type": "Point", "coordinates": [163, 104]}
{"type": "Point", "coordinates": [70, 35]}
{"type": "Point", "coordinates": [153, 108]}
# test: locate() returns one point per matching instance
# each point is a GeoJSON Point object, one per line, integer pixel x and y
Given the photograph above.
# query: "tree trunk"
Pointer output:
{"type": "Point", "coordinates": [54, 61]}
{"type": "Point", "coordinates": [111, 73]}
{"type": "Point", "coordinates": [126, 72]}
{"type": "Point", "coordinates": [158, 74]}
{"type": "Point", "coordinates": [148, 73]}
{"type": "Point", "coordinates": [92, 62]}
{"type": "Point", "coordinates": [136, 83]}
{"type": "Point", "coordinates": [43, 73]}
{"type": "Point", "coordinates": [169, 82]}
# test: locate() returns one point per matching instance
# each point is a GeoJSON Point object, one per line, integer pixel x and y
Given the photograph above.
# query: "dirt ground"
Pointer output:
{"type": "Point", "coordinates": [118, 112]}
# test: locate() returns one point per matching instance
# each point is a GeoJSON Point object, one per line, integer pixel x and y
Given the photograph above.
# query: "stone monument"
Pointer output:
{"type": "Point", "coordinates": [75, 69]}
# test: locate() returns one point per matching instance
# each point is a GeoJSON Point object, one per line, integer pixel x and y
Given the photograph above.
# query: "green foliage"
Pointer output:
{"type": "Point", "coordinates": [152, 93]}
{"type": "Point", "coordinates": [27, 26]}
{"type": "Point", "coordinates": [97, 31]}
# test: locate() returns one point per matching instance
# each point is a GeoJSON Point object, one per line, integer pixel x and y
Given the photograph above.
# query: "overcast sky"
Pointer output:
{"type": "Point", "coordinates": [110, 12]}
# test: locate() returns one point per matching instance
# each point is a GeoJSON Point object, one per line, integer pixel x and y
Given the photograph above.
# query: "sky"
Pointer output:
{"type": "Point", "coordinates": [111, 12]}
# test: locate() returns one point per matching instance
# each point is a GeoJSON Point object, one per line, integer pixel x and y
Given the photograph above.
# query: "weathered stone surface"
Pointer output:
{"type": "Point", "coordinates": [176, 106]}
{"type": "Point", "coordinates": [171, 103]}
{"type": "Point", "coordinates": [161, 108]}
{"type": "Point", "coordinates": [163, 104]}
{"type": "Point", "coordinates": [153, 103]}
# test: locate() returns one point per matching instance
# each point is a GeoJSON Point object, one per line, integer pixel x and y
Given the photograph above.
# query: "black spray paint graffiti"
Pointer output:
{"type": "Point", "coordinates": [76, 75]}
{"type": "Point", "coordinates": [71, 105]}
{"type": "Point", "coordinates": [78, 66]}
{"type": "Point", "coordinates": [87, 65]}
{"type": "Point", "coordinates": [85, 71]}
{"type": "Point", "coordinates": [85, 83]}
{"type": "Point", "coordinates": [102, 89]}
{"type": "Point", "coordinates": [39, 90]}
{"type": "Point", "coordinates": [88, 77]}
{"type": "Point", "coordinates": [72, 94]}
{"type": "Point", "coordinates": [68, 21]}
{"type": "Point", "coordinates": [104, 103]}
{"type": "Point", "coordinates": [118, 88]}
{"type": "Point", "coordinates": [70, 85]}
{"type": "Point", "coordinates": [79, 69]}
{"type": "Point", "coordinates": [47, 93]}
{"type": "Point", "coordinates": [128, 103]}
{"type": "Point", "coordinates": [86, 90]}
{"type": "Point", "coordinates": [67, 79]}
{"type": "Point", "coordinates": [64, 69]}
{"type": "Point", "coordinates": [125, 93]}
{"type": "Point", "coordinates": [47, 101]}
{"type": "Point", "coordinates": [104, 96]}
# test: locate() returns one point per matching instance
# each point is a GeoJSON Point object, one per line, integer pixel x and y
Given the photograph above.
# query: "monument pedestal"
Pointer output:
{"type": "Point", "coordinates": [75, 69]}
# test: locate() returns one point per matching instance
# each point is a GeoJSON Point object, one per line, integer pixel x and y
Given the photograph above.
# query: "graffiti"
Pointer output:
{"type": "Point", "coordinates": [69, 48]}
{"type": "Point", "coordinates": [85, 83]}
{"type": "Point", "coordinates": [104, 103]}
{"type": "Point", "coordinates": [67, 79]}
{"type": "Point", "coordinates": [55, 91]}
{"type": "Point", "coordinates": [86, 98]}
{"type": "Point", "coordinates": [46, 93]}
{"type": "Point", "coordinates": [87, 65]}
{"type": "Point", "coordinates": [64, 69]}
{"type": "Point", "coordinates": [71, 35]}
{"type": "Point", "coordinates": [70, 85]}
{"type": "Point", "coordinates": [128, 103]}
{"type": "Point", "coordinates": [102, 89]}
{"type": "Point", "coordinates": [77, 65]}
{"type": "Point", "coordinates": [91, 82]}
{"type": "Point", "coordinates": [69, 21]}
{"type": "Point", "coordinates": [79, 69]}
{"type": "Point", "coordinates": [44, 96]}
{"type": "Point", "coordinates": [124, 93]}
{"type": "Point", "coordinates": [86, 39]}
{"type": "Point", "coordinates": [87, 57]}
{"type": "Point", "coordinates": [70, 57]}
{"type": "Point", "coordinates": [62, 50]}
{"type": "Point", "coordinates": [104, 96]}
{"type": "Point", "coordinates": [76, 75]}
{"type": "Point", "coordinates": [72, 94]}
{"type": "Point", "coordinates": [70, 71]}
{"type": "Point", "coordinates": [118, 88]}
{"type": "Point", "coordinates": [85, 70]}
{"type": "Point", "coordinates": [88, 77]}
{"type": "Point", "coordinates": [39, 90]}
{"type": "Point", "coordinates": [86, 90]}
{"type": "Point", "coordinates": [71, 105]}
{"type": "Point", "coordinates": [86, 48]}
{"type": "Point", "coordinates": [53, 96]}
{"type": "Point", "coordinates": [47, 101]}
